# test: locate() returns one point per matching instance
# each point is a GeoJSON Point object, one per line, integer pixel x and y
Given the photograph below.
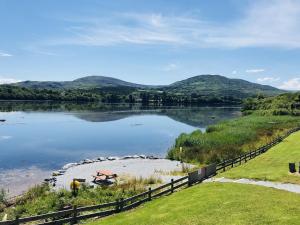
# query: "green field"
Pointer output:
{"type": "Point", "coordinates": [215, 203]}
{"type": "Point", "coordinates": [272, 165]}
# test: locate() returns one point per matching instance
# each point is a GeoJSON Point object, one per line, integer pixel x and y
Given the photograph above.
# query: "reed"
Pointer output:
{"type": "Point", "coordinates": [230, 138]}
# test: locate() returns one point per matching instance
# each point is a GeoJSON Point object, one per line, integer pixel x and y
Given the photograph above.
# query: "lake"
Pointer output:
{"type": "Point", "coordinates": [48, 135]}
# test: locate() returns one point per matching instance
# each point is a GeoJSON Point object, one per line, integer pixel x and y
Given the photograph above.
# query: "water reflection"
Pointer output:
{"type": "Point", "coordinates": [49, 134]}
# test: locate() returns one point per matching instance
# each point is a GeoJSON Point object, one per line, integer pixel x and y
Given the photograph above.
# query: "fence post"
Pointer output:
{"type": "Point", "coordinates": [232, 163]}
{"type": "Point", "coordinates": [17, 221]}
{"type": "Point", "coordinates": [121, 205]}
{"type": "Point", "coordinates": [172, 186]}
{"type": "Point", "coordinates": [117, 205]}
{"type": "Point", "coordinates": [189, 181]}
{"type": "Point", "coordinates": [240, 159]}
{"type": "Point", "coordinates": [149, 194]}
{"type": "Point", "coordinates": [224, 167]}
{"type": "Point", "coordinates": [74, 219]}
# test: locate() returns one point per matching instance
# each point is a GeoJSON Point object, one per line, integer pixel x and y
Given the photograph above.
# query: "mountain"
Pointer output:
{"type": "Point", "coordinates": [202, 89]}
{"type": "Point", "coordinates": [199, 84]}
{"type": "Point", "coordinates": [220, 86]}
{"type": "Point", "coordinates": [84, 83]}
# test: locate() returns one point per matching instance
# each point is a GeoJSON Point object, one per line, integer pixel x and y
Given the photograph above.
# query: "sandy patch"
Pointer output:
{"type": "Point", "coordinates": [132, 167]}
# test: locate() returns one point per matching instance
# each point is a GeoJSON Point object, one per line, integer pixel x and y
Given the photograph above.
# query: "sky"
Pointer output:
{"type": "Point", "coordinates": [151, 42]}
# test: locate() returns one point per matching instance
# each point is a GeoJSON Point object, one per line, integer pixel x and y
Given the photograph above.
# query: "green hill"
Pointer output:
{"type": "Point", "coordinates": [220, 86]}
{"type": "Point", "coordinates": [201, 90]}
{"type": "Point", "coordinates": [84, 82]}
{"type": "Point", "coordinates": [205, 85]}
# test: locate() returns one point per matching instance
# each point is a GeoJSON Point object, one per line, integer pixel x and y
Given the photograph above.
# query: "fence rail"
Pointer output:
{"type": "Point", "coordinates": [76, 214]}
{"type": "Point", "coordinates": [252, 154]}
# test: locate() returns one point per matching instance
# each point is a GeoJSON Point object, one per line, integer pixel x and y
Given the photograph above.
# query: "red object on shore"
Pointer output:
{"type": "Point", "coordinates": [105, 172]}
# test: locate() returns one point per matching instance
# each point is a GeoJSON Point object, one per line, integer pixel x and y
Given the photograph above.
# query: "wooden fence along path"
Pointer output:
{"type": "Point", "coordinates": [76, 214]}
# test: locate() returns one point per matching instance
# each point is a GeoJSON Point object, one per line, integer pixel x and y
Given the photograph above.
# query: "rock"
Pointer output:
{"type": "Point", "coordinates": [111, 158]}
{"type": "Point", "coordinates": [101, 159]}
{"type": "Point", "coordinates": [135, 157]}
{"type": "Point", "coordinates": [143, 156]}
{"type": "Point", "coordinates": [50, 180]}
{"type": "Point", "coordinates": [86, 161]}
{"type": "Point", "coordinates": [127, 157]}
{"type": "Point", "coordinates": [152, 157]}
{"type": "Point", "coordinates": [69, 165]}
{"type": "Point", "coordinates": [56, 173]}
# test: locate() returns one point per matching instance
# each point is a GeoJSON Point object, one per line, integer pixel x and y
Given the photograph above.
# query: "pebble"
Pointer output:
{"type": "Point", "coordinates": [69, 165]}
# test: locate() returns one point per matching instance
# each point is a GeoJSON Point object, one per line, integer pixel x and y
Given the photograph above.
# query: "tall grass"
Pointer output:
{"type": "Point", "coordinates": [2, 196]}
{"type": "Point", "coordinates": [3, 200]}
{"type": "Point", "coordinates": [42, 199]}
{"type": "Point", "coordinates": [230, 138]}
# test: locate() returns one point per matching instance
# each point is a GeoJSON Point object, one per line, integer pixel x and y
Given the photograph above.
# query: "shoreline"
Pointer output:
{"type": "Point", "coordinates": [128, 166]}
{"type": "Point", "coordinates": [17, 181]}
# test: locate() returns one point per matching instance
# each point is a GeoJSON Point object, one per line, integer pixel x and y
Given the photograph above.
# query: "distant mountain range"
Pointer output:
{"type": "Point", "coordinates": [81, 83]}
{"type": "Point", "coordinates": [203, 85]}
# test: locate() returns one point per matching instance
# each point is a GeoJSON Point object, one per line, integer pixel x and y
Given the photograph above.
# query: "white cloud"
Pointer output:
{"type": "Point", "coordinates": [4, 54]}
{"type": "Point", "coordinates": [266, 23]}
{"type": "Point", "coordinates": [268, 79]}
{"type": "Point", "coordinates": [5, 80]}
{"type": "Point", "coordinates": [5, 137]}
{"type": "Point", "coordinates": [255, 70]}
{"type": "Point", "coordinates": [292, 84]}
{"type": "Point", "coordinates": [170, 67]}
{"type": "Point", "coordinates": [234, 72]}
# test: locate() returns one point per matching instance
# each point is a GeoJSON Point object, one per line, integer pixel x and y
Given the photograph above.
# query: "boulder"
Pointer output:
{"type": "Point", "coordinates": [101, 159]}
{"type": "Point", "coordinates": [143, 156]}
{"type": "Point", "coordinates": [69, 165]}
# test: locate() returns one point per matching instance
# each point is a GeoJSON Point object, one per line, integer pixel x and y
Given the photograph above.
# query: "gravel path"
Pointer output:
{"type": "Point", "coordinates": [295, 188]}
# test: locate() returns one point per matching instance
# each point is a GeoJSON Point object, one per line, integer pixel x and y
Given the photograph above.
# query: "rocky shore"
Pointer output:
{"type": "Point", "coordinates": [132, 166]}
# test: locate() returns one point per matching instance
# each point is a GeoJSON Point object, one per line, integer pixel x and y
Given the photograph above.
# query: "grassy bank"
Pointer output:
{"type": "Point", "coordinates": [216, 203]}
{"type": "Point", "coordinates": [272, 165]}
{"type": "Point", "coordinates": [230, 138]}
{"type": "Point", "coordinates": [263, 120]}
{"type": "Point", "coordinates": [42, 199]}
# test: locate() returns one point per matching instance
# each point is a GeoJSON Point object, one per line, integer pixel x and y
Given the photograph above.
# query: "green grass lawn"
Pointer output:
{"type": "Point", "coordinates": [215, 203]}
{"type": "Point", "coordinates": [272, 165]}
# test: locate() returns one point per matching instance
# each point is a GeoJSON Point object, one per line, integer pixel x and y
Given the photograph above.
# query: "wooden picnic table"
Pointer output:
{"type": "Point", "coordinates": [104, 175]}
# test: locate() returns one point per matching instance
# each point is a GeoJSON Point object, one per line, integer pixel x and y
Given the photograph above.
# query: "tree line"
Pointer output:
{"type": "Point", "coordinates": [112, 95]}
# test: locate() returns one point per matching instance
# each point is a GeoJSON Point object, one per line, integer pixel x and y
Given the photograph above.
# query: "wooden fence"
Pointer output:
{"type": "Point", "coordinates": [252, 154]}
{"type": "Point", "coordinates": [76, 214]}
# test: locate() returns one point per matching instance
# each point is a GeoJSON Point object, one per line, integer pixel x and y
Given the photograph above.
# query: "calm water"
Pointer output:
{"type": "Point", "coordinates": [48, 135]}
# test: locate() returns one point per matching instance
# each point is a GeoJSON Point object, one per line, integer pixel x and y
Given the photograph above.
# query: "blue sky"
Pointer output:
{"type": "Point", "coordinates": [151, 42]}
